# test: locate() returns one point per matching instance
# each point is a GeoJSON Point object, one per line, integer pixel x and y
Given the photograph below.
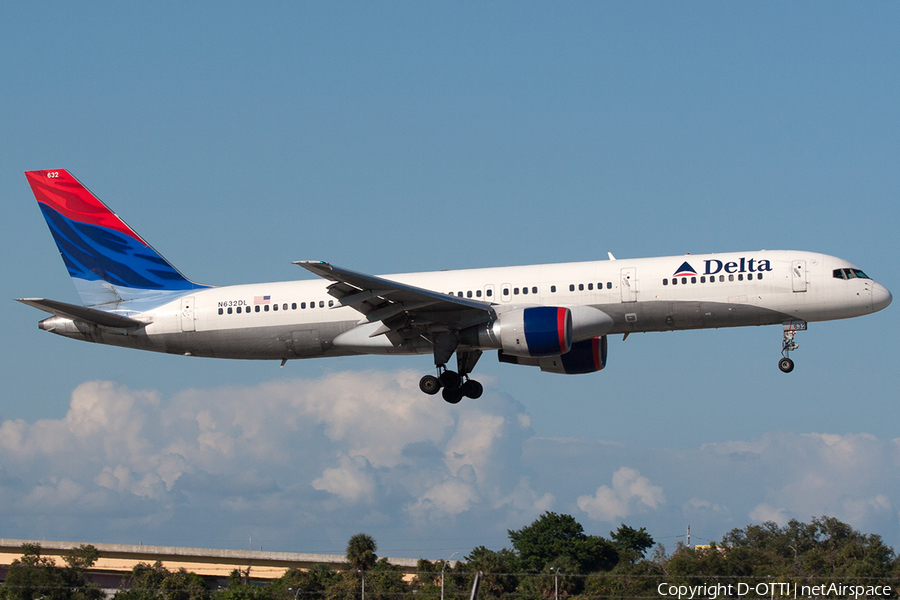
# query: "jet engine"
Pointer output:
{"type": "Point", "coordinates": [587, 356]}
{"type": "Point", "coordinates": [532, 331]}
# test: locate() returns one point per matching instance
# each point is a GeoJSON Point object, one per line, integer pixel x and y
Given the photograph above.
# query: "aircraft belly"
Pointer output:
{"type": "Point", "coordinates": [675, 316]}
{"type": "Point", "coordinates": [258, 343]}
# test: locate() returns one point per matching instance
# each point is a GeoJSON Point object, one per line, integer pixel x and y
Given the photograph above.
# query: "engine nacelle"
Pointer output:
{"type": "Point", "coordinates": [532, 331]}
{"type": "Point", "coordinates": [587, 356]}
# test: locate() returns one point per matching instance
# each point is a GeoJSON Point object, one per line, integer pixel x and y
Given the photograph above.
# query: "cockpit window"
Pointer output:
{"type": "Point", "coordinates": [849, 274]}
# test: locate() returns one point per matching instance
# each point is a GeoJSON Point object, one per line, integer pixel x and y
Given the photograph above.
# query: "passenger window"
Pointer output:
{"type": "Point", "coordinates": [571, 287]}
{"type": "Point", "coordinates": [731, 278]}
{"type": "Point", "coordinates": [303, 305]}
{"type": "Point", "coordinates": [490, 293]}
{"type": "Point", "coordinates": [759, 275]}
{"type": "Point", "coordinates": [515, 291]}
{"type": "Point", "coordinates": [221, 311]}
{"type": "Point", "coordinates": [229, 310]}
{"type": "Point", "coordinates": [478, 293]}
{"type": "Point", "coordinates": [552, 289]}
{"type": "Point", "coordinates": [609, 285]}
{"type": "Point", "coordinates": [256, 308]}
{"type": "Point", "coordinates": [590, 286]}
{"type": "Point", "coordinates": [721, 278]}
{"type": "Point", "coordinates": [580, 287]}
{"type": "Point", "coordinates": [293, 306]}
{"type": "Point", "coordinates": [674, 281]}
{"type": "Point", "coordinates": [534, 290]}
{"type": "Point", "coordinates": [693, 280]}
{"type": "Point", "coordinates": [469, 294]}
{"type": "Point", "coordinates": [330, 303]}
{"type": "Point", "coordinates": [524, 290]}
{"type": "Point", "coordinates": [266, 308]}
{"type": "Point", "coordinates": [684, 280]}
{"type": "Point", "coordinates": [239, 309]}
{"type": "Point", "coordinates": [274, 307]}
{"type": "Point", "coordinates": [321, 304]}
{"type": "Point", "coordinates": [506, 291]}
{"type": "Point", "coordinates": [740, 277]}
{"type": "Point", "coordinates": [459, 294]}
{"type": "Point", "coordinates": [284, 306]}
{"type": "Point", "coordinates": [665, 282]}
{"type": "Point", "coordinates": [702, 279]}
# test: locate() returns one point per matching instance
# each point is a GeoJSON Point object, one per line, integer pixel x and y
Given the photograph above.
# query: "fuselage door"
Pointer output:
{"type": "Point", "coordinates": [628, 284]}
{"type": "Point", "coordinates": [489, 293]}
{"type": "Point", "coordinates": [798, 275]}
{"type": "Point", "coordinates": [187, 313]}
{"type": "Point", "coordinates": [505, 291]}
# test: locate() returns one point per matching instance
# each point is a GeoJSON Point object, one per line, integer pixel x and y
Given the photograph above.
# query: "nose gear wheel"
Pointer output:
{"type": "Point", "coordinates": [788, 344]}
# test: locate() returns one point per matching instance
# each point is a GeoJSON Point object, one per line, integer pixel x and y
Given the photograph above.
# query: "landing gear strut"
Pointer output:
{"type": "Point", "coordinates": [454, 386]}
{"type": "Point", "coordinates": [790, 329]}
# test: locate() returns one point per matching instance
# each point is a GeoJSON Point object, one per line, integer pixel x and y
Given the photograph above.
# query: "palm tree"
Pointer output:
{"type": "Point", "coordinates": [361, 552]}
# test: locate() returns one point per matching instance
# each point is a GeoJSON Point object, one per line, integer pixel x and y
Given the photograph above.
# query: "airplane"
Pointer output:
{"type": "Point", "coordinates": [553, 316]}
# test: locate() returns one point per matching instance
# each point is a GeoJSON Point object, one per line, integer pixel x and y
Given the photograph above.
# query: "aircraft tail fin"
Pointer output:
{"type": "Point", "coordinates": [109, 263]}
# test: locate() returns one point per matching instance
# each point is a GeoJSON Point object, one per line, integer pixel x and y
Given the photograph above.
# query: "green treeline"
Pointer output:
{"type": "Point", "coordinates": [551, 558]}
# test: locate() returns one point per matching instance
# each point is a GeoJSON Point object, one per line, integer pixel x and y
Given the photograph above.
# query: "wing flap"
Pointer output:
{"type": "Point", "coordinates": [398, 305]}
{"type": "Point", "coordinates": [82, 313]}
{"type": "Point", "coordinates": [399, 292]}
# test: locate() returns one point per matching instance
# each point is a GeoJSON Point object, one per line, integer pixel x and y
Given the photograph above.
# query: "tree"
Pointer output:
{"type": "Point", "coordinates": [314, 583]}
{"type": "Point", "coordinates": [34, 576]}
{"type": "Point", "coordinates": [560, 538]}
{"type": "Point", "coordinates": [631, 543]}
{"type": "Point", "coordinates": [361, 552]}
{"type": "Point", "coordinates": [499, 570]}
{"type": "Point", "coordinates": [152, 582]}
{"type": "Point", "coordinates": [385, 582]}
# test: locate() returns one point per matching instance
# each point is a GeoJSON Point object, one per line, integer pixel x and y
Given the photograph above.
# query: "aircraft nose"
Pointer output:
{"type": "Point", "coordinates": [881, 297]}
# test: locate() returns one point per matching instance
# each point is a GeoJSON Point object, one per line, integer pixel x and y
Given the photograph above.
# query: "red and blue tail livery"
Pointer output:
{"type": "Point", "coordinates": [109, 263]}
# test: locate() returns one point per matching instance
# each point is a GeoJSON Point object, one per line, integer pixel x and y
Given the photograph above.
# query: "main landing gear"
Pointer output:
{"type": "Point", "coordinates": [453, 385]}
{"type": "Point", "coordinates": [790, 329]}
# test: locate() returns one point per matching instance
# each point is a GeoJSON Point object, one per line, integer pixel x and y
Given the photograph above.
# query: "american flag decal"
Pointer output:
{"type": "Point", "coordinates": [261, 299]}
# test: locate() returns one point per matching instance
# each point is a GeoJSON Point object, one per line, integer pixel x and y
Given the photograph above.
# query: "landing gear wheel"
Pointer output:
{"type": "Point", "coordinates": [786, 365]}
{"type": "Point", "coordinates": [472, 389]}
{"type": "Point", "coordinates": [452, 395]}
{"type": "Point", "coordinates": [450, 380]}
{"type": "Point", "coordinates": [430, 384]}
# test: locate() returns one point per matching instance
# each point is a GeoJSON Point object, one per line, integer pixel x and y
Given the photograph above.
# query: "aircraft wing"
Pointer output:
{"type": "Point", "coordinates": [398, 305]}
{"type": "Point", "coordinates": [82, 313]}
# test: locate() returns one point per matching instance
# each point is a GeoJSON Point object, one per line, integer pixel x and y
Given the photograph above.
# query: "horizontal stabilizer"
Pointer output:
{"type": "Point", "coordinates": [81, 313]}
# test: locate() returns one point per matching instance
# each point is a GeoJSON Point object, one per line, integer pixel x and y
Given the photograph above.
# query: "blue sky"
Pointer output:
{"type": "Point", "coordinates": [403, 137]}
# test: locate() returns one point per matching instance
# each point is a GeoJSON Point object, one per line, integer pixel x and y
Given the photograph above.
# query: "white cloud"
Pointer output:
{"type": "Point", "coordinates": [765, 512]}
{"type": "Point", "coordinates": [352, 480]}
{"type": "Point", "coordinates": [631, 493]}
{"type": "Point", "coordinates": [329, 457]}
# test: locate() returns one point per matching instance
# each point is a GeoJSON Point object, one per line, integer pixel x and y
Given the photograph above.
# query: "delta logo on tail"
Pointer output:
{"type": "Point", "coordinates": [685, 270]}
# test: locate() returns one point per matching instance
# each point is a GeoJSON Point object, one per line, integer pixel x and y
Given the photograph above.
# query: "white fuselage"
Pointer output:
{"type": "Point", "coordinates": [299, 319]}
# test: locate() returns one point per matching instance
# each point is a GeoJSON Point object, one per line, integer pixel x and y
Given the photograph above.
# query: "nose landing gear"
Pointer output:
{"type": "Point", "coordinates": [788, 344]}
